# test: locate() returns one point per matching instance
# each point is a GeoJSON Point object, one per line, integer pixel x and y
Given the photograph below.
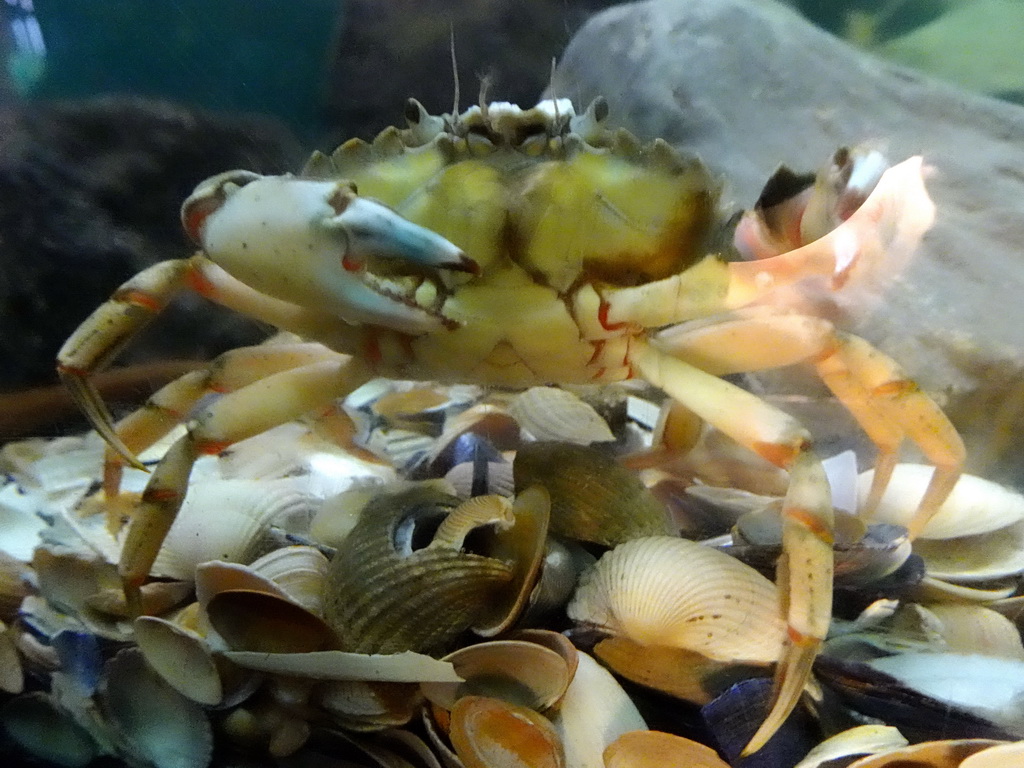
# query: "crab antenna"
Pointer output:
{"type": "Point", "coordinates": [455, 71]}
{"type": "Point", "coordinates": [485, 85]}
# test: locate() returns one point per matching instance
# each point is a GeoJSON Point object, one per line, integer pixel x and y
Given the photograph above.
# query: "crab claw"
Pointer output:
{"type": "Point", "coordinates": [319, 244]}
{"type": "Point", "coordinates": [375, 231]}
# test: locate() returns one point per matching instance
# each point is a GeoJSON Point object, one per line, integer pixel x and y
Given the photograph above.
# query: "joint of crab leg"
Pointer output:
{"type": "Point", "coordinates": [375, 231]}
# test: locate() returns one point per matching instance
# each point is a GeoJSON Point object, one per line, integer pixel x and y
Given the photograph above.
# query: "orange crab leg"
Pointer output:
{"type": "Point", "coordinates": [243, 413]}
{"type": "Point", "coordinates": [171, 404]}
{"type": "Point", "coordinates": [111, 326]}
{"type": "Point", "coordinates": [806, 567]}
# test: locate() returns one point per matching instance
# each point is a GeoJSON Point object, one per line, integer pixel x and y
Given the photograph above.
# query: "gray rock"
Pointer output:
{"type": "Point", "coordinates": [751, 84]}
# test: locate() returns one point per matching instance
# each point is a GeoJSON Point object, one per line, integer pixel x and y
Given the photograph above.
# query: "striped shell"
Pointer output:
{"type": "Point", "coordinates": [672, 592]}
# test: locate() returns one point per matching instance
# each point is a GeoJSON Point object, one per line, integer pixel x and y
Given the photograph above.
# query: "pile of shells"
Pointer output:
{"type": "Point", "coordinates": [492, 582]}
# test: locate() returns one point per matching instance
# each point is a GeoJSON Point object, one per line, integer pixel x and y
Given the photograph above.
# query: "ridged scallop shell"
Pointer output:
{"type": "Point", "coordinates": [227, 520]}
{"type": "Point", "coordinates": [299, 570]}
{"type": "Point", "coordinates": [667, 591]}
{"type": "Point", "coordinates": [974, 506]}
{"type": "Point", "coordinates": [387, 591]}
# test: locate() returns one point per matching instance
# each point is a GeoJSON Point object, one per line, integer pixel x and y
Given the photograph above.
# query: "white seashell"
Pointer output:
{"type": "Point", "coordinates": [968, 559]}
{"type": "Point", "coordinates": [932, 590]}
{"type": "Point", "coordinates": [551, 413]}
{"type": "Point", "coordinates": [405, 667]}
{"type": "Point", "coordinates": [990, 687]}
{"type": "Point", "coordinates": [972, 628]}
{"type": "Point", "coordinates": [974, 506]}
{"type": "Point", "coordinates": [500, 479]}
{"type": "Point", "coordinates": [861, 740]}
{"type": "Point", "coordinates": [19, 524]}
{"type": "Point", "coordinates": [594, 712]}
{"type": "Point", "coordinates": [227, 520]}
{"type": "Point", "coordinates": [301, 571]}
{"type": "Point", "coordinates": [181, 657]}
{"type": "Point", "coordinates": [661, 590]}
{"type": "Point", "coordinates": [999, 756]}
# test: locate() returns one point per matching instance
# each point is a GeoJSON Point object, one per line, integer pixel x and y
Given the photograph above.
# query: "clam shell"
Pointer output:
{"type": "Point", "coordinates": [654, 749]}
{"type": "Point", "coordinates": [227, 520]}
{"type": "Point", "coordinates": [551, 413]}
{"type": "Point", "coordinates": [928, 754]}
{"type": "Point", "coordinates": [974, 505]}
{"type": "Point", "coordinates": [389, 591]}
{"type": "Point", "coordinates": [593, 497]}
{"type": "Point", "coordinates": [969, 559]}
{"type": "Point", "coordinates": [490, 732]}
{"type": "Point", "coordinates": [593, 713]}
{"type": "Point", "coordinates": [365, 705]}
{"type": "Point", "coordinates": [300, 571]}
{"type": "Point", "coordinates": [36, 724]}
{"type": "Point", "coordinates": [999, 756]}
{"type": "Point", "coordinates": [975, 629]}
{"type": "Point", "coordinates": [250, 620]}
{"type": "Point", "coordinates": [860, 740]}
{"type": "Point", "coordinates": [516, 671]}
{"type": "Point", "coordinates": [181, 657]}
{"type": "Point", "coordinates": [673, 592]}
{"type": "Point", "coordinates": [158, 725]}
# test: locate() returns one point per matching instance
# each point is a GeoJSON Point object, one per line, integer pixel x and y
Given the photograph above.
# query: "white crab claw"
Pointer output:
{"type": "Point", "coordinates": [317, 244]}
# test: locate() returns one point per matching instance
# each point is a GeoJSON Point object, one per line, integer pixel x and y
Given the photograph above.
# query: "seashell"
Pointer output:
{"type": "Point", "coordinates": [300, 571]}
{"type": "Point", "coordinates": [554, 641]}
{"type": "Point", "coordinates": [405, 667]}
{"type": "Point", "coordinates": [419, 407]}
{"type": "Point", "coordinates": [217, 576]}
{"type": "Point", "coordinates": [974, 506]}
{"type": "Point", "coordinates": [594, 712]}
{"type": "Point", "coordinates": [489, 732]}
{"type": "Point", "coordinates": [228, 520]}
{"type": "Point", "coordinates": [981, 557]}
{"type": "Point", "coordinates": [932, 590]}
{"type": "Point", "coordinates": [14, 580]}
{"type": "Point", "coordinates": [883, 697]}
{"type": "Point", "coordinates": [974, 629]}
{"type": "Point", "coordinates": [516, 671]}
{"type": "Point", "coordinates": [20, 526]}
{"type": "Point", "coordinates": [41, 729]}
{"type": "Point", "coordinates": [734, 716]}
{"type": "Point", "coordinates": [990, 687]}
{"type": "Point", "coordinates": [928, 754]}
{"type": "Point", "coordinates": [653, 749]}
{"type": "Point", "coordinates": [363, 705]}
{"type": "Point", "coordinates": [498, 478]}
{"type": "Point", "coordinates": [554, 414]}
{"type": "Point", "coordinates": [388, 590]}
{"type": "Point", "coordinates": [250, 620]}
{"type": "Point", "coordinates": [679, 672]}
{"type": "Point", "coordinates": [487, 425]}
{"type": "Point", "coordinates": [593, 497]}
{"type": "Point", "coordinates": [68, 581]}
{"type": "Point", "coordinates": [998, 756]}
{"type": "Point", "coordinates": [673, 592]}
{"type": "Point", "coordinates": [181, 657]}
{"type": "Point", "coordinates": [559, 575]}
{"type": "Point", "coordinates": [155, 597]}
{"type": "Point", "coordinates": [157, 725]}
{"type": "Point", "coordinates": [860, 740]}
{"type": "Point", "coordinates": [522, 545]}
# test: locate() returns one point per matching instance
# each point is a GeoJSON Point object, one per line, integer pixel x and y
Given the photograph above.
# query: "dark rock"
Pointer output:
{"type": "Point", "coordinates": [89, 195]}
{"type": "Point", "coordinates": [751, 85]}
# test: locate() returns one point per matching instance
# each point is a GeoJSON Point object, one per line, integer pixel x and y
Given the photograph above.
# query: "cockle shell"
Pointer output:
{"type": "Point", "coordinates": [227, 520]}
{"type": "Point", "coordinates": [489, 732]}
{"type": "Point", "coordinates": [593, 497]}
{"type": "Point", "coordinates": [654, 749]}
{"type": "Point", "coordinates": [552, 413]}
{"type": "Point", "coordinates": [389, 591]}
{"type": "Point", "coordinates": [662, 590]}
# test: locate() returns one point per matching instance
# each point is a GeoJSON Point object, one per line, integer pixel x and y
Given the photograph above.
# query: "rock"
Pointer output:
{"type": "Point", "coordinates": [749, 85]}
{"type": "Point", "coordinates": [89, 195]}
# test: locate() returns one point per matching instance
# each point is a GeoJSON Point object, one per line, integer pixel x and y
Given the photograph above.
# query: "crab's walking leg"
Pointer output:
{"type": "Point", "coordinates": [97, 341]}
{"type": "Point", "coordinates": [243, 413]}
{"type": "Point", "coordinates": [171, 404]}
{"type": "Point", "coordinates": [888, 406]}
{"type": "Point", "coordinates": [806, 566]}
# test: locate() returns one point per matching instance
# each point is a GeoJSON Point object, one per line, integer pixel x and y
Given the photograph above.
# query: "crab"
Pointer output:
{"type": "Point", "coordinates": [514, 247]}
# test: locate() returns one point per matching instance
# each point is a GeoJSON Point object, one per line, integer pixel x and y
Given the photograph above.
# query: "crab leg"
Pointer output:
{"type": "Point", "coordinates": [111, 326]}
{"type": "Point", "coordinates": [171, 404]}
{"type": "Point", "coordinates": [243, 413]}
{"type": "Point", "coordinates": [886, 404]}
{"type": "Point", "coordinates": [805, 568]}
